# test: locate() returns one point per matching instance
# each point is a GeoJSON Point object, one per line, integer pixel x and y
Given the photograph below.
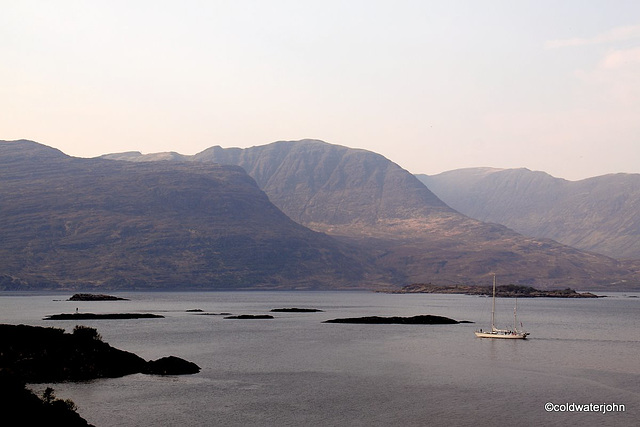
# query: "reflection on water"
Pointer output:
{"type": "Point", "coordinates": [296, 370]}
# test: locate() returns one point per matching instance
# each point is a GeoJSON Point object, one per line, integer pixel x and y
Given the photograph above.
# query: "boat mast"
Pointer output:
{"type": "Point", "coordinates": [515, 316]}
{"type": "Point", "coordinates": [493, 307]}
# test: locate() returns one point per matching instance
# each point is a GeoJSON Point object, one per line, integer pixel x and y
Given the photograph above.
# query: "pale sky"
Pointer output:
{"type": "Point", "coordinates": [431, 85]}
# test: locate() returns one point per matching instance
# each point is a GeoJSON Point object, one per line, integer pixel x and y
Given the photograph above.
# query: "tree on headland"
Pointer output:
{"type": "Point", "coordinates": [86, 333]}
{"type": "Point", "coordinates": [49, 397]}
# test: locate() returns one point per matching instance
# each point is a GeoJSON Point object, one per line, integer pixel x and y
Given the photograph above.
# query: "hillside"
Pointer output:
{"type": "Point", "coordinates": [82, 223]}
{"type": "Point", "coordinates": [600, 214]}
{"type": "Point", "coordinates": [365, 199]}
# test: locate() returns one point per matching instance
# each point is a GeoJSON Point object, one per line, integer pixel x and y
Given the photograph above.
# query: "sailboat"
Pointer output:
{"type": "Point", "coordinates": [513, 334]}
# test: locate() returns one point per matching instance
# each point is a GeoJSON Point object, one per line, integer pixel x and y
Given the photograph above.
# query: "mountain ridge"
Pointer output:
{"type": "Point", "coordinates": [96, 223]}
{"type": "Point", "coordinates": [598, 214]}
{"type": "Point", "coordinates": [367, 200]}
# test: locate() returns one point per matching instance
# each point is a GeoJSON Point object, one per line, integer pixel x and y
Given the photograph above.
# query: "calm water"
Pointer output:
{"type": "Point", "coordinates": [294, 370]}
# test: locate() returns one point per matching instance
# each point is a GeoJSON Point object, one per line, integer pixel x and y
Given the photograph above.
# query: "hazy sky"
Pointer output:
{"type": "Point", "coordinates": [431, 85]}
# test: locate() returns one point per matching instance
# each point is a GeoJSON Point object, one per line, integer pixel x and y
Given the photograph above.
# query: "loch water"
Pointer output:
{"type": "Point", "coordinates": [295, 370]}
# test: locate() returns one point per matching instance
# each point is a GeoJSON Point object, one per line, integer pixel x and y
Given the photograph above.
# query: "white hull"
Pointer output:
{"type": "Point", "coordinates": [513, 336]}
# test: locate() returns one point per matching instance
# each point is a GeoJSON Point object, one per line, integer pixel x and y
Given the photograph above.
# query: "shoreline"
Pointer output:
{"type": "Point", "coordinates": [502, 291]}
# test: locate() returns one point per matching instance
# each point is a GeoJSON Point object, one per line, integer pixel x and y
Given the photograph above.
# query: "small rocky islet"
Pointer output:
{"type": "Point", "coordinates": [95, 297]}
{"type": "Point", "coordinates": [256, 316]}
{"type": "Point", "coordinates": [250, 317]}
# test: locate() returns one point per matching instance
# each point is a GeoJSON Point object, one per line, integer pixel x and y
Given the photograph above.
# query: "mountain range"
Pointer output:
{"type": "Point", "coordinates": [287, 215]}
{"type": "Point", "coordinates": [69, 223]}
{"type": "Point", "coordinates": [367, 201]}
{"type": "Point", "coordinates": [599, 214]}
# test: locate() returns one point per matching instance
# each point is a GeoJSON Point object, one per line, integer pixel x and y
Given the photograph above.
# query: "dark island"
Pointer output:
{"type": "Point", "coordinates": [505, 291]}
{"type": "Point", "coordinates": [93, 316]}
{"type": "Point", "coordinates": [426, 319]}
{"type": "Point", "coordinates": [250, 316]}
{"type": "Point", "coordinates": [296, 310]}
{"type": "Point", "coordinates": [95, 297]}
{"type": "Point", "coordinates": [213, 314]}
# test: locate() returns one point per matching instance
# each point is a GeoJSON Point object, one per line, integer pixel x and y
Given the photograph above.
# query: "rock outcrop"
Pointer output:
{"type": "Point", "coordinates": [171, 365]}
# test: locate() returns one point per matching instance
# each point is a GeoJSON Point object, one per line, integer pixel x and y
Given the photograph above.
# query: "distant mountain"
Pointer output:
{"type": "Point", "coordinates": [365, 199]}
{"type": "Point", "coordinates": [600, 214]}
{"type": "Point", "coordinates": [82, 223]}
{"type": "Point", "coordinates": [330, 187]}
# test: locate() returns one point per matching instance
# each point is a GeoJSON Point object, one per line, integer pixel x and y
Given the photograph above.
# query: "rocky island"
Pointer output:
{"type": "Point", "coordinates": [295, 310]}
{"type": "Point", "coordinates": [95, 297]}
{"type": "Point", "coordinates": [94, 316]}
{"type": "Point", "coordinates": [426, 319]}
{"type": "Point", "coordinates": [250, 316]}
{"type": "Point", "coordinates": [505, 291]}
{"type": "Point", "coordinates": [213, 314]}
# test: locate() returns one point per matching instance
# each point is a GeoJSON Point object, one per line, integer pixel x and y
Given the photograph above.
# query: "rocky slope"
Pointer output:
{"type": "Point", "coordinates": [600, 214]}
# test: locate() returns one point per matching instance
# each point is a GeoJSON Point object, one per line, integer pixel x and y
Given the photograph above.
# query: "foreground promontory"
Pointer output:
{"type": "Point", "coordinates": [33, 354]}
{"type": "Point", "coordinates": [37, 355]}
{"type": "Point", "coordinates": [22, 407]}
